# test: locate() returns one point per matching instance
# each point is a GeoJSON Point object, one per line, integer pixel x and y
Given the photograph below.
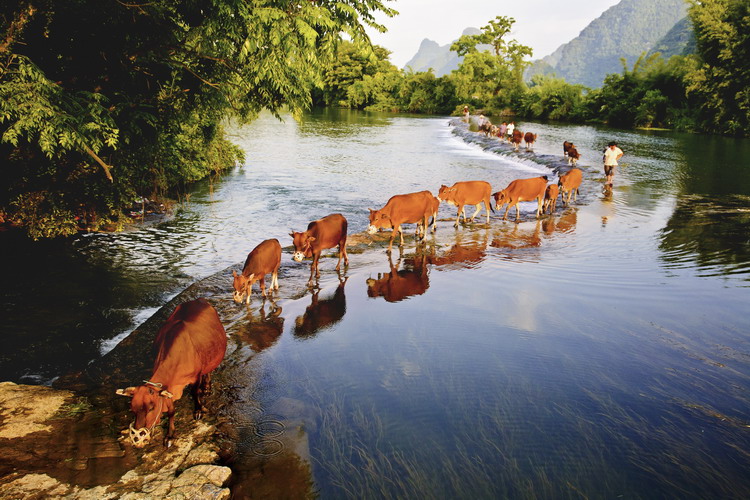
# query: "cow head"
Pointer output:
{"type": "Point", "coordinates": [242, 286]}
{"type": "Point", "coordinates": [148, 402]}
{"type": "Point", "coordinates": [500, 199]}
{"type": "Point", "coordinates": [378, 220]}
{"type": "Point", "coordinates": [302, 245]}
{"type": "Point", "coordinates": [443, 192]}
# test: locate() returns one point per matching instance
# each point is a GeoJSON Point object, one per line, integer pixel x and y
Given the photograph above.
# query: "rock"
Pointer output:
{"type": "Point", "coordinates": [207, 453]}
{"type": "Point", "coordinates": [27, 408]}
{"type": "Point", "coordinates": [214, 474]}
{"type": "Point", "coordinates": [203, 492]}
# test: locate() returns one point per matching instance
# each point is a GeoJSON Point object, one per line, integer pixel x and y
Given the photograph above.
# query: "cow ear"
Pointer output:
{"type": "Point", "coordinates": [250, 278]}
{"type": "Point", "coordinates": [291, 234]}
{"type": "Point", "coordinates": [166, 394]}
{"type": "Point", "coordinates": [234, 273]}
{"type": "Point", "coordinates": [128, 391]}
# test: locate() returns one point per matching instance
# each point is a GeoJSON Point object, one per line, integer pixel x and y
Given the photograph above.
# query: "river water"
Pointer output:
{"type": "Point", "coordinates": [601, 352]}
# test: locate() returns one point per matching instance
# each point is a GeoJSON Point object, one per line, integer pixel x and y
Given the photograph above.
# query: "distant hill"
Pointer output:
{"type": "Point", "coordinates": [679, 41]}
{"type": "Point", "coordinates": [439, 58]}
{"type": "Point", "coordinates": [627, 30]}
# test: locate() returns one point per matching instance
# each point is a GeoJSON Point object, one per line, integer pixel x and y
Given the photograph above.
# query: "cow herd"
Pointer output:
{"type": "Point", "coordinates": [192, 342]}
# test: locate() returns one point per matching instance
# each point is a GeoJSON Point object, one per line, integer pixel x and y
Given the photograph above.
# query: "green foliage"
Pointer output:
{"type": "Point", "coordinates": [552, 98]}
{"type": "Point", "coordinates": [485, 75]}
{"type": "Point", "coordinates": [722, 81]}
{"type": "Point", "coordinates": [139, 92]}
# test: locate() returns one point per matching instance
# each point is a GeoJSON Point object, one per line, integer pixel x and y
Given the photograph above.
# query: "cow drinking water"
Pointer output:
{"type": "Point", "coordinates": [320, 235]}
{"type": "Point", "coordinates": [411, 208]}
{"type": "Point", "coordinates": [190, 345]}
{"type": "Point", "coordinates": [263, 259]}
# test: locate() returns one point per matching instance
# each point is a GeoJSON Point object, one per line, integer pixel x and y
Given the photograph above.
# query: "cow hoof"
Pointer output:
{"type": "Point", "coordinates": [167, 442]}
{"type": "Point", "coordinates": [197, 414]}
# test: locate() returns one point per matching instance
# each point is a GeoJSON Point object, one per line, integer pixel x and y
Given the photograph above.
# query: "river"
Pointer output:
{"type": "Point", "coordinates": [600, 352]}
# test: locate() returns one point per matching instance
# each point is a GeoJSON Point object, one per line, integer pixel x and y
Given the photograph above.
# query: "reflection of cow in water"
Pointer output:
{"type": "Point", "coordinates": [566, 223]}
{"type": "Point", "coordinates": [461, 254]}
{"type": "Point", "coordinates": [263, 332]}
{"type": "Point", "coordinates": [321, 314]}
{"type": "Point", "coordinates": [399, 285]}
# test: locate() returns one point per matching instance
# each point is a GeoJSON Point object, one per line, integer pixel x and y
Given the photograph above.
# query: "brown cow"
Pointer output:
{"type": "Point", "coordinates": [321, 234]}
{"type": "Point", "coordinates": [573, 155]}
{"type": "Point", "coordinates": [467, 193]}
{"type": "Point", "coordinates": [263, 259]}
{"type": "Point", "coordinates": [521, 190]}
{"type": "Point", "coordinates": [569, 183]}
{"type": "Point", "coordinates": [566, 147]}
{"type": "Point", "coordinates": [190, 345]}
{"type": "Point", "coordinates": [550, 198]}
{"type": "Point", "coordinates": [516, 139]}
{"type": "Point", "coordinates": [529, 139]}
{"type": "Point", "coordinates": [403, 209]}
{"type": "Point", "coordinates": [399, 285]}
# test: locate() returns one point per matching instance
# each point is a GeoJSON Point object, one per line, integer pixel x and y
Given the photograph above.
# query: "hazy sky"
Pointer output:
{"type": "Point", "coordinates": [543, 25]}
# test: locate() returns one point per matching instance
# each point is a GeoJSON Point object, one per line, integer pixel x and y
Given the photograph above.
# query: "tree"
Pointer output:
{"type": "Point", "coordinates": [105, 101]}
{"type": "Point", "coordinates": [495, 76]}
{"type": "Point", "coordinates": [722, 81]}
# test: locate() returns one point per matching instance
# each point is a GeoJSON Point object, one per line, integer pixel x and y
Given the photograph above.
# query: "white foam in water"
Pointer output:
{"type": "Point", "coordinates": [139, 317]}
{"type": "Point", "coordinates": [461, 147]}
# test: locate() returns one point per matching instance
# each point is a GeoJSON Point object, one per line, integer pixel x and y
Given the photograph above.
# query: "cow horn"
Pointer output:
{"type": "Point", "coordinates": [165, 393]}
{"type": "Point", "coordinates": [128, 392]}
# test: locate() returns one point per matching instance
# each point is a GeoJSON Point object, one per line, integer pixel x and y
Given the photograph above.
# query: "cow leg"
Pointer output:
{"type": "Point", "coordinates": [539, 210]}
{"type": "Point", "coordinates": [401, 234]}
{"type": "Point", "coordinates": [275, 279]}
{"type": "Point", "coordinates": [518, 213]}
{"type": "Point", "coordinates": [390, 241]}
{"type": "Point", "coordinates": [201, 388]}
{"type": "Point", "coordinates": [505, 215]}
{"type": "Point", "coordinates": [479, 209]}
{"type": "Point", "coordinates": [342, 253]}
{"type": "Point", "coordinates": [169, 438]}
{"type": "Point", "coordinates": [262, 283]}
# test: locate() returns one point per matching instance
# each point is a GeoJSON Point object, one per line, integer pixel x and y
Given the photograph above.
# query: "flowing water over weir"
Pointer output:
{"type": "Point", "coordinates": [600, 352]}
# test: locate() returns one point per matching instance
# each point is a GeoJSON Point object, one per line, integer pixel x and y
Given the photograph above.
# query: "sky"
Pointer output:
{"type": "Point", "coordinates": [543, 25]}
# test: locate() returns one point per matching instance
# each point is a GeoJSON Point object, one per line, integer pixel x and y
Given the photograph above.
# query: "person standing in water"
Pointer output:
{"type": "Point", "coordinates": [611, 155]}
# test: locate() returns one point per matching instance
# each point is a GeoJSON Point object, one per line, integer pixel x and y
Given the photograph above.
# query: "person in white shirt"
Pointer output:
{"type": "Point", "coordinates": [509, 130]}
{"type": "Point", "coordinates": [611, 155]}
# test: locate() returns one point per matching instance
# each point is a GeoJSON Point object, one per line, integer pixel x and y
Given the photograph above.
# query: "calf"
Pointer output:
{"type": "Point", "coordinates": [529, 139]}
{"type": "Point", "coordinates": [569, 184]}
{"type": "Point", "coordinates": [521, 190]}
{"type": "Point", "coordinates": [467, 193]}
{"type": "Point", "coordinates": [190, 345]}
{"type": "Point", "coordinates": [516, 139]}
{"type": "Point", "coordinates": [566, 147]}
{"type": "Point", "coordinates": [411, 208]}
{"type": "Point", "coordinates": [263, 259]}
{"type": "Point", "coordinates": [573, 155]}
{"type": "Point", "coordinates": [550, 198]}
{"type": "Point", "coordinates": [321, 234]}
